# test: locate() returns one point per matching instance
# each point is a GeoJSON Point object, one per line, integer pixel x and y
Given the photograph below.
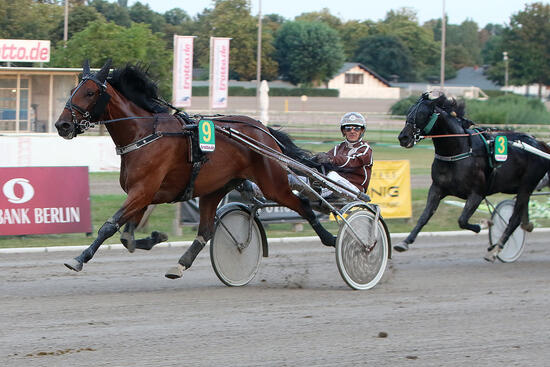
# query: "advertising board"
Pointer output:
{"type": "Point", "coordinates": [41, 200]}
{"type": "Point", "coordinates": [24, 50]}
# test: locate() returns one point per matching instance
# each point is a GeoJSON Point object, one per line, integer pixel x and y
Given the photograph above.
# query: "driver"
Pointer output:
{"type": "Point", "coordinates": [353, 155]}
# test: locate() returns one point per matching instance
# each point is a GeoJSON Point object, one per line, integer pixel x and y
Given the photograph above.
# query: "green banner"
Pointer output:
{"type": "Point", "coordinates": [207, 138]}
{"type": "Point", "coordinates": [501, 148]}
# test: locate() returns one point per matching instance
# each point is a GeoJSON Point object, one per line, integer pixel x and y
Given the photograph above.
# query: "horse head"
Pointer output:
{"type": "Point", "coordinates": [422, 116]}
{"type": "Point", "coordinates": [86, 103]}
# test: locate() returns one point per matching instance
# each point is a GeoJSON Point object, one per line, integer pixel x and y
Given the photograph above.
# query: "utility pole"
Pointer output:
{"type": "Point", "coordinates": [442, 73]}
{"type": "Point", "coordinates": [505, 58]}
{"type": "Point", "coordinates": [66, 25]}
{"type": "Point", "coordinates": [259, 57]}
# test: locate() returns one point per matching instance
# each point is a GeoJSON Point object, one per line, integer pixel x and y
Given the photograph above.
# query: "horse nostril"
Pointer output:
{"type": "Point", "coordinates": [65, 126]}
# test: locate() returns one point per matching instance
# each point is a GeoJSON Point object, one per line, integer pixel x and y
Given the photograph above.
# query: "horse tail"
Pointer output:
{"type": "Point", "coordinates": [290, 148]}
{"type": "Point", "coordinates": [301, 155]}
{"type": "Point", "coordinates": [545, 146]}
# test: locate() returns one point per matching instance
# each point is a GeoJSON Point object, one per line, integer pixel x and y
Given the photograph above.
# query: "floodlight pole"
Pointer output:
{"type": "Point", "coordinates": [505, 58]}
{"type": "Point", "coordinates": [66, 24]}
{"type": "Point", "coordinates": [259, 57]}
{"type": "Point", "coordinates": [442, 73]}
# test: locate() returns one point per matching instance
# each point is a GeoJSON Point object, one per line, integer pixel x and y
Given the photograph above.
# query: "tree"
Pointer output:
{"type": "Point", "coordinates": [141, 13]}
{"type": "Point", "coordinates": [322, 16]}
{"type": "Point", "coordinates": [27, 19]}
{"type": "Point", "coordinates": [352, 33]}
{"type": "Point", "coordinates": [176, 16]}
{"type": "Point", "coordinates": [527, 41]}
{"type": "Point", "coordinates": [112, 12]}
{"type": "Point", "coordinates": [102, 40]}
{"type": "Point", "coordinates": [308, 52]}
{"type": "Point", "coordinates": [79, 18]}
{"type": "Point", "coordinates": [419, 40]}
{"type": "Point", "coordinates": [272, 22]}
{"type": "Point", "coordinates": [385, 55]}
{"type": "Point", "coordinates": [232, 18]}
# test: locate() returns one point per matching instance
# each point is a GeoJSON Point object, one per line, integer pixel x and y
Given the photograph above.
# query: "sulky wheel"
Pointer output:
{"type": "Point", "coordinates": [234, 260]}
{"type": "Point", "coordinates": [514, 246]}
{"type": "Point", "coordinates": [362, 266]}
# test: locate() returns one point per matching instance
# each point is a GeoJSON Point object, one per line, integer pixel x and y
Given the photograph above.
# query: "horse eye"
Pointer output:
{"type": "Point", "coordinates": [90, 93]}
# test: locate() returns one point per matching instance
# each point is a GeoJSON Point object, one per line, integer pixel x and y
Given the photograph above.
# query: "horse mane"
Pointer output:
{"type": "Point", "coordinates": [455, 108]}
{"type": "Point", "coordinates": [135, 84]}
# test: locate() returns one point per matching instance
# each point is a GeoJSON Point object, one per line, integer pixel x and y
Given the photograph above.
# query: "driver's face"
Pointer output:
{"type": "Point", "coordinates": [352, 133]}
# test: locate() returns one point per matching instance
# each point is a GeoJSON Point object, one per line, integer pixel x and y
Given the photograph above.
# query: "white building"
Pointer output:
{"type": "Point", "coordinates": [355, 80]}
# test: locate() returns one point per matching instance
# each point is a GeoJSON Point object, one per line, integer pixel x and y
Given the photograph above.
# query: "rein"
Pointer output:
{"type": "Point", "coordinates": [449, 135]}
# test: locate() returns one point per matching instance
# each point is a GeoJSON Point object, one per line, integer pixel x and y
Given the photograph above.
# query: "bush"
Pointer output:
{"type": "Point", "coordinates": [202, 91]}
{"type": "Point", "coordinates": [508, 109]}
{"type": "Point", "coordinates": [296, 92]}
{"type": "Point", "coordinates": [494, 93]}
{"type": "Point", "coordinates": [402, 106]}
{"type": "Point", "coordinates": [504, 109]}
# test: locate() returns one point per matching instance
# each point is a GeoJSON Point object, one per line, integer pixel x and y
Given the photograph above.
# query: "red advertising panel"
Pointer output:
{"type": "Point", "coordinates": [39, 200]}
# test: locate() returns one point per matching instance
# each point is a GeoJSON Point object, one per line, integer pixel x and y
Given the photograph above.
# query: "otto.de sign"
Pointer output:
{"type": "Point", "coordinates": [40, 200]}
{"type": "Point", "coordinates": [24, 50]}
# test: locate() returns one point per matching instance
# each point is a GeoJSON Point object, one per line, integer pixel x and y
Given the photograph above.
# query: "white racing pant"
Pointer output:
{"type": "Point", "coordinates": [296, 182]}
{"type": "Point", "coordinates": [342, 181]}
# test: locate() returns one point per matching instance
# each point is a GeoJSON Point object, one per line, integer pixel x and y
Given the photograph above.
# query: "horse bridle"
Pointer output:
{"type": "Point", "coordinates": [429, 126]}
{"type": "Point", "coordinates": [87, 119]}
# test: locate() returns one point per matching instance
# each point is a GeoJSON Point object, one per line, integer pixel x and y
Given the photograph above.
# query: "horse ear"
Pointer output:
{"type": "Point", "coordinates": [86, 67]}
{"type": "Point", "coordinates": [104, 72]}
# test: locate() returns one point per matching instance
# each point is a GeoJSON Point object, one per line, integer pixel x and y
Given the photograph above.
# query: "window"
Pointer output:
{"type": "Point", "coordinates": [352, 78]}
{"type": "Point", "coordinates": [8, 104]}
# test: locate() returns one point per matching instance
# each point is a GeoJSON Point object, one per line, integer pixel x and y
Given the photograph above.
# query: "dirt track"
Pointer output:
{"type": "Point", "coordinates": [439, 304]}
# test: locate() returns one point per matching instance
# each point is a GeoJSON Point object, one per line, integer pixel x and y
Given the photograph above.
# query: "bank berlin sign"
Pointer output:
{"type": "Point", "coordinates": [40, 200]}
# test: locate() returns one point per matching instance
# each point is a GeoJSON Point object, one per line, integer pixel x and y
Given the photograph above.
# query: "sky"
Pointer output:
{"type": "Point", "coordinates": [481, 11]}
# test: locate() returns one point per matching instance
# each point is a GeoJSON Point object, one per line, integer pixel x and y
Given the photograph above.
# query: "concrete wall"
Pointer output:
{"type": "Point", "coordinates": [39, 150]}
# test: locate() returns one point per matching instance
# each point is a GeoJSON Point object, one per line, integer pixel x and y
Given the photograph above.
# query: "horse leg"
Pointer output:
{"type": "Point", "coordinates": [435, 194]}
{"type": "Point", "coordinates": [525, 224]}
{"type": "Point", "coordinates": [522, 202]}
{"type": "Point", "coordinates": [109, 228]}
{"type": "Point", "coordinates": [207, 206]}
{"type": "Point", "coordinates": [127, 238]}
{"type": "Point", "coordinates": [135, 203]}
{"type": "Point", "coordinates": [470, 207]}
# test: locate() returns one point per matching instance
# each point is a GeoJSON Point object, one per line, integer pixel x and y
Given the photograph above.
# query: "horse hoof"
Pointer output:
{"type": "Point", "coordinates": [128, 242]}
{"type": "Point", "coordinates": [74, 264]}
{"type": "Point", "coordinates": [175, 272]}
{"type": "Point", "coordinates": [401, 246]}
{"type": "Point", "coordinates": [159, 237]}
{"type": "Point", "coordinates": [528, 227]}
{"type": "Point", "coordinates": [491, 254]}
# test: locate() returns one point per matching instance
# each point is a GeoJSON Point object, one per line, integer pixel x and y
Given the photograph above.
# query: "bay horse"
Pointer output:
{"type": "Point", "coordinates": [159, 164]}
{"type": "Point", "coordinates": [463, 166]}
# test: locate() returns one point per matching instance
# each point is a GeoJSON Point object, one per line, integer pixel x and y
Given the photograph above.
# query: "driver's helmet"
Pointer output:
{"type": "Point", "coordinates": [353, 119]}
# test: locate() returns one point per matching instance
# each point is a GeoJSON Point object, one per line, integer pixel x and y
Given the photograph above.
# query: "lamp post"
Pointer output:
{"type": "Point", "coordinates": [259, 56]}
{"type": "Point", "coordinates": [442, 71]}
{"type": "Point", "coordinates": [66, 24]}
{"type": "Point", "coordinates": [505, 58]}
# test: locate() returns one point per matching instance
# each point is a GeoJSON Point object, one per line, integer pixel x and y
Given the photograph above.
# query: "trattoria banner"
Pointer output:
{"type": "Point", "coordinates": [182, 71]}
{"type": "Point", "coordinates": [390, 187]}
{"type": "Point", "coordinates": [219, 71]}
{"type": "Point", "coordinates": [40, 200]}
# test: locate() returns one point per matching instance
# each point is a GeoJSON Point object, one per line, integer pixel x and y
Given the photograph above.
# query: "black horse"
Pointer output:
{"type": "Point", "coordinates": [463, 166]}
